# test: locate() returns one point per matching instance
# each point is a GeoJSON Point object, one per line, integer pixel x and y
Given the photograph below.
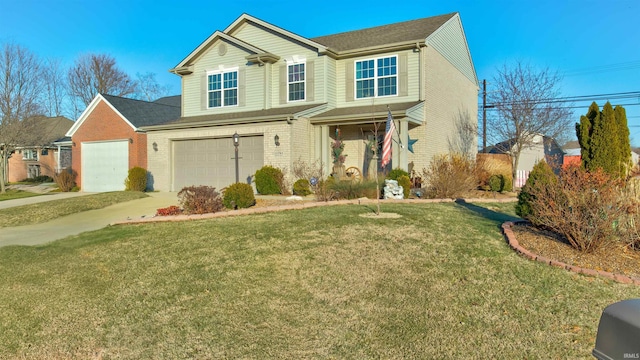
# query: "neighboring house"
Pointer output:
{"type": "Point", "coordinates": [573, 155]}
{"type": "Point", "coordinates": [106, 139]}
{"type": "Point", "coordinates": [44, 158]}
{"type": "Point", "coordinates": [288, 97]}
{"type": "Point", "coordinates": [541, 148]}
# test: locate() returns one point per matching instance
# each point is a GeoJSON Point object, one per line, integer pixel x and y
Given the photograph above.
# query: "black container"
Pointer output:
{"type": "Point", "coordinates": [619, 331]}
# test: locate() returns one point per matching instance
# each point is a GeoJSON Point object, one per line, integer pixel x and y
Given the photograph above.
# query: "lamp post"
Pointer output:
{"type": "Point", "coordinates": [236, 142]}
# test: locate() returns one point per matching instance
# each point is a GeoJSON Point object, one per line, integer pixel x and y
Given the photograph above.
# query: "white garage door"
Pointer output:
{"type": "Point", "coordinates": [212, 161]}
{"type": "Point", "coordinates": [105, 165]}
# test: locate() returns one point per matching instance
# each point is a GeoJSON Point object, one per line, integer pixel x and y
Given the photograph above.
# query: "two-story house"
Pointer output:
{"type": "Point", "coordinates": [288, 97]}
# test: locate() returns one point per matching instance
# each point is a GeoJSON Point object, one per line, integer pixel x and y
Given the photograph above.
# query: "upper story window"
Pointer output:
{"type": "Point", "coordinates": [376, 77]}
{"type": "Point", "coordinates": [296, 81]}
{"type": "Point", "coordinates": [30, 154]}
{"type": "Point", "coordinates": [222, 88]}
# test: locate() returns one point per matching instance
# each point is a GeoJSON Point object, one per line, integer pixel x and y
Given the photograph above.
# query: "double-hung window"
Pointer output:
{"type": "Point", "coordinates": [30, 154]}
{"type": "Point", "coordinates": [376, 77]}
{"type": "Point", "coordinates": [296, 81]}
{"type": "Point", "coordinates": [222, 88]}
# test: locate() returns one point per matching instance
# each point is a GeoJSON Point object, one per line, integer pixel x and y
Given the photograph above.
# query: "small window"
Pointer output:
{"type": "Point", "coordinates": [376, 77]}
{"type": "Point", "coordinates": [222, 89]}
{"type": "Point", "coordinates": [296, 81]}
{"type": "Point", "coordinates": [29, 154]}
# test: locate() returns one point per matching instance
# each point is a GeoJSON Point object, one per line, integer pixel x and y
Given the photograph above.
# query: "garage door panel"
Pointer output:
{"type": "Point", "coordinates": [211, 161]}
{"type": "Point", "coordinates": [105, 165]}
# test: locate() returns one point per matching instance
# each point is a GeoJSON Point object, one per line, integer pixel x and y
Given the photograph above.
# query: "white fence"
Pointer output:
{"type": "Point", "coordinates": [521, 178]}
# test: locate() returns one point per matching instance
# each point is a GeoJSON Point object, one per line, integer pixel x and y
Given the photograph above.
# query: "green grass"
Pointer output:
{"type": "Point", "coordinates": [46, 211]}
{"type": "Point", "coordinates": [439, 282]}
{"type": "Point", "coordinates": [11, 194]}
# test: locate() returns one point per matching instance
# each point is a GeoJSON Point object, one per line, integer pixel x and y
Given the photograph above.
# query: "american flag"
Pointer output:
{"type": "Point", "coordinates": [386, 144]}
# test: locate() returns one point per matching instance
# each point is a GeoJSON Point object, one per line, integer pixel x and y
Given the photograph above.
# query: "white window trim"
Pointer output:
{"type": "Point", "coordinates": [33, 154]}
{"type": "Point", "coordinates": [221, 71]}
{"type": "Point", "coordinates": [304, 82]}
{"type": "Point", "coordinates": [375, 78]}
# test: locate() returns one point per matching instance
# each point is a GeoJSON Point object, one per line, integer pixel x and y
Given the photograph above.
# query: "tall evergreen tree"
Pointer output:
{"type": "Point", "coordinates": [604, 139]}
{"type": "Point", "coordinates": [624, 142]}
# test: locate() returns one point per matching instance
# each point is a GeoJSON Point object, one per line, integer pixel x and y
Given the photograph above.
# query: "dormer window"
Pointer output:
{"type": "Point", "coordinates": [222, 88]}
{"type": "Point", "coordinates": [296, 81]}
{"type": "Point", "coordinates": [376, 77]}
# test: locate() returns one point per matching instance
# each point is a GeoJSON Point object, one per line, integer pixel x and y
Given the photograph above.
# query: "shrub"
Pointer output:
{"type": "Point", "coordinates": [449, 176]}
{"type": "Point", "coordinates": [303, 170]}
{"type": "Point", "coordinates": [169, 211]}
{"type": "Point", "coordinates": [268, 180]}
{"type": "Point", "coordinates": [301, 187]}
{"type": "Point", "coordinates": [396, 173]}
{"type": "Point", "coordinates": [200, 200]}
{"type": "Point", "coordinates": [137, 179]}
{"type": "Point", "coordinates": [238, 196]}
{"type": "Point", "coordinates": [38, 179]}
{"type": "Point", "coordinates": [496, 183]}
{"type": "Point", "coordinates": [324, 189]}
{"type": "Point", "coordinates": [541, 176]}
{"type": "Point", "coordinates": [353, 189]}
{"type": "Point", "coordinates": [66, 180]}
{"type": "Point", "coordinates": [584, 207]}
{"type": "Point", "coordinates": [405, 182]}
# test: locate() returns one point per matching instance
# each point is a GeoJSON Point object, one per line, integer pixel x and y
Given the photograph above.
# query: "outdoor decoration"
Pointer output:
{"type": "Point", "coordinates": [337, 149]}
{"type": "Point", "coordinates": [410, 143]}
{"type": "Point", "coordinates": [392, 190]}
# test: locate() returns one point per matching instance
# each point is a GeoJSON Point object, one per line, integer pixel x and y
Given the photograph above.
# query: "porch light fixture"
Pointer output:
{"type": "Point", "coordinates": [276, 139]}
{"type": "Point", "coordinates": [155, 146]}
{"type": "Point", "coordinates": [236, 139]}
{"type": "Point", "coordinates": [130, 140]}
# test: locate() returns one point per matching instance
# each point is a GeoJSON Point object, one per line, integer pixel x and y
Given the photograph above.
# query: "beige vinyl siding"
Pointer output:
{"type": "Point", "coordinates": [329, 80]}
{"type": "Point", "coordinates": [344, 69]}
{"type": "Point", "coordinates": [251, 86]}
{"type": "Point", "coordinates": [450, 41]}
{"type": "Point", "coordinates": [449, 95]}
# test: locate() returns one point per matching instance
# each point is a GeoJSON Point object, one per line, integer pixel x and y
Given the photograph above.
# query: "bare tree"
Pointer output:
{"type": "Point", "coordinates": [94, 74]}
{"type": "Point", "coordinates": [524, 100]}
{"type": "Point", "coordinates": [21, 89]}
{"type": "Point", "coordinates": [148, 88]}
{"type": "Point", "coordinates": [55, 89]}
{"type": "Point", "coordinates": [465, 139]}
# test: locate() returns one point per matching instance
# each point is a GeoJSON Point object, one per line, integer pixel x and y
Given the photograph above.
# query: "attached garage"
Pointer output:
{"type": "Point", "coordinates": [211, 162]}
{"type": "Point", "coordinates": [105, 165]}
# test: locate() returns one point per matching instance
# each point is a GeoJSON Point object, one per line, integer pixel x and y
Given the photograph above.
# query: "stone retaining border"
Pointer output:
{"type": "Point", "coordinates": [515, 245]}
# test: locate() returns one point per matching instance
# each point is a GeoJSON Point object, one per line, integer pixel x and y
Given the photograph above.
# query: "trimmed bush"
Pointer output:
{"type": "Point", "coordinates": [449, 176]}
{"type": "Point", "coordinates": [169, 211]}
{"type": "Point", "coordinates": [137, 179]}
{"type": "Point", "coordinates": [496, 183]}
{"type": "Point", "coordinates": [405, 182]}
{"type": "Point", "coordinates": [302, 187]}
{"type": "Point", "coordinates": [268, 180]}
{"type": "Point", "coordinates": [200, 200]}
{"type": "Point", "coordinates": [38, 179]}
{"type": "Point", "coordinates": [66, 180]}
{"type": "Point", "coordinates": [396, 173]}
{"type": "Point", "coordinates": [541, 176]}
{"type": "Point", "coordinates": [238, 196]}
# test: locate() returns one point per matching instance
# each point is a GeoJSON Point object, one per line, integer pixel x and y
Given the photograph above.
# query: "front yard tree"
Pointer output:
{"type": "Point", "coordinates": [604, 140]}
{"type": "Point", "coordinates": [523, 99]}
{"type": "Point", "coordinates": [21, 88]}
{"type": "Point", "coordinates": [94, 74]}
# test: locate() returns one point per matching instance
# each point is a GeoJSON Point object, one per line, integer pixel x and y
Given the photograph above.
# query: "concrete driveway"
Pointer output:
{"type": "Point", "coordinates": [81, 222]}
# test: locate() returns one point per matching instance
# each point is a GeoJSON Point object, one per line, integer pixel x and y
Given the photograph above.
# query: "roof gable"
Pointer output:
{"type": "Point", "coordinates": [403, 32]}
{"type": "Point", "coordinates": [210, 41]}
{"type": "Point", "coordinates": [135, 113]}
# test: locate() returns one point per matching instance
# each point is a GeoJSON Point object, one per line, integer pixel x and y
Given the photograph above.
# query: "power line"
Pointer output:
{"type": "Point", "coordinates": [578, 98]}
{"type": "Point", "coordinates": [630, 65]}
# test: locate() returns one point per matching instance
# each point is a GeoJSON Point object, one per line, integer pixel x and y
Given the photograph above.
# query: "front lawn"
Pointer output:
{"type": "Point", "coordinates": [11, 194]}
{"type": "Point", "coordinates": [46, 211]}
{"type": "Point", "coordinates": [438, 282]}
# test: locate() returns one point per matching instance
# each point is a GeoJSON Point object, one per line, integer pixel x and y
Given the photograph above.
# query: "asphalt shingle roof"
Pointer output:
{"type": "Point", "coordinates": [414, 30]}
{"type": "Point", "coordinates": [144, 113]}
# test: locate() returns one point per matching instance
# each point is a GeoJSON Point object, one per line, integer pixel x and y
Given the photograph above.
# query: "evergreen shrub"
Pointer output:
{"type": "Point", "coordinates": [301, 187]}
{"type": "Point", "coordinates": [238, 196]}
{"type": "Point", "coordinates": [137, 179]}
{"type": "Point", "coordinates": [268, 180]}
{"type": "Point", "coordinates": [405, 182]}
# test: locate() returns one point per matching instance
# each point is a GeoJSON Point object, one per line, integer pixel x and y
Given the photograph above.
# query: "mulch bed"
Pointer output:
{"type": "Point", "coordinates": [615, 259]}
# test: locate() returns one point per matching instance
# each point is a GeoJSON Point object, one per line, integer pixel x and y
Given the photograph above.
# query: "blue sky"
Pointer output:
{"type": "Point", "coordinates": [596, 44]}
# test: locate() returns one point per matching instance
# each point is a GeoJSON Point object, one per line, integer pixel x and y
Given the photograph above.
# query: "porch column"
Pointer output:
{"type": "Point", "coordinates": [325, 153]}
{"type": "Point", "coordinates": [404, 140]}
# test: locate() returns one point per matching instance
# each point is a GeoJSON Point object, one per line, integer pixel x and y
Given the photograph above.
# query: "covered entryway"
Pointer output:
{"type": "Point", "coordinates": [211, 161]}
{"type": "Point", "coordinates": [105, 165]}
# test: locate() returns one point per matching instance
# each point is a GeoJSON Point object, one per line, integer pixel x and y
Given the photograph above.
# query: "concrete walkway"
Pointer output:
{"type": "Point", "coordinates": [85, 221]}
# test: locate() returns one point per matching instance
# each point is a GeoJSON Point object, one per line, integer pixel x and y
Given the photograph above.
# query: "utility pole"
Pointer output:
{"type": "Point", "coordinates": [484, 116]}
